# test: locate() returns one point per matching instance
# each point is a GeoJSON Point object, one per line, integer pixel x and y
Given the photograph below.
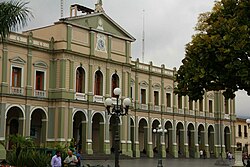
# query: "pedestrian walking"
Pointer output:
{"type": "Point", "coordinates": [71, 159]}
{"type": "Point", "coordinates": [56, 160]}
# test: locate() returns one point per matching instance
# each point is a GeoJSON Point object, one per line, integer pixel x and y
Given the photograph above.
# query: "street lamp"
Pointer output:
{"type": "Point", "coordinates": [159, 130]}
{"type": "Point", "coordinates": [117, 111]}
{"type": "Point", "coordinates": [248, 122]}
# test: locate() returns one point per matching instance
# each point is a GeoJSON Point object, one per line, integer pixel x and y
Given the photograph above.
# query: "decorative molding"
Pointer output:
{"type": "Point", "coordinates": [156, 86]}
{"type": "Point", "coordinates": [210, 95]}
{"type": "Point", "coordinates": [17, 60]}
{"type": "Point", "coordinates": [169, 88]}
{"type": "Point", "coordinates": [40, 64]}
{"type": "Point", "coordinates": [143, 84]}
{"type": "Point", "coordinates": [132, 82]}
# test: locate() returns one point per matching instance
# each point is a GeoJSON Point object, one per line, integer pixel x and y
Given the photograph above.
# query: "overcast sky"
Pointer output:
{"type": "Point", "coordinates": [169, 25]}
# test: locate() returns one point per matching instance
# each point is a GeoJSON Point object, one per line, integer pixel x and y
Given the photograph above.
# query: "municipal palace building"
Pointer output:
{"type": "Point", "coordinates": [54, 81]}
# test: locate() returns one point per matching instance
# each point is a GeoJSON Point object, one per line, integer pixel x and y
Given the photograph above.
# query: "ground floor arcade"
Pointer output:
{"type": "Point", "coordinates": [93, 130]}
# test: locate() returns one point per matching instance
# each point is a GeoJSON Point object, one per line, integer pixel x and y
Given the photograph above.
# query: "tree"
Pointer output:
{"type": "Point", "coordinates": [13, 15]}
{"type": "Point", "coordinates": [218, 57]}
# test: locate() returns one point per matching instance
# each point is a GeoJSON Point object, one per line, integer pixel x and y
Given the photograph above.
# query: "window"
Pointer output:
{"type": "Point", "coordinates": [245, 131]}
{"type": "Point", "coordinates": [226, 107]}
{"type": "Point", "coordinates": [131, 92]}
{"type": "Point", "coordinates": [80, 80]}
{"type": "Point", "coordinates": [168, 96]}
{"type": "Point", "coordinates": [39, 80]}
{"type": "Point", "coordinates": [98, 82]}
{"type": "Point", "coordinates": [190, 104]}
{"type": "Point", "coordinates": [200, 105]}
{"type": "Point", "coordinates": [16, 77]}
{"type": "Point", "coordinates": [179, 102]}
{"type": "Point", "coordinates": [210, 106]}
{"type": "Point", "coordinates": [156, 98]}
{"type": "Point", "coordinates": [239, 131]}
{"type": "Point", "coordinates": [143, 96]}
{"type": "Point", "coordinates": [115, 83]}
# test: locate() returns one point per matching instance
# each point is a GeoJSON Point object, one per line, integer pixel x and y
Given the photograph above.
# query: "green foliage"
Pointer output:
{"type": "Point", "coordinates": [218, 57]}
{"type": "Point", "coordinates": [13, 15]}
{"type": "Point", "coordinates": [24, 153]}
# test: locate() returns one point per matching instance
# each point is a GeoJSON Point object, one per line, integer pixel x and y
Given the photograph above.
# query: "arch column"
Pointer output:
{"type": "Point", "coordinates": [21, 127]}
{"type": "Point", "coordinates": [89, 149]}
{"type": "Point", "coordinates": [170, 140]}
{"type": "Point", "coordinates": [102, 135]}
{"type": "Point", "coordinates": [196, 151]}
{"type": "Point", "coordinates": [186, 147]}
{"type": "Point", "coordinates": [136, 143]}
{"type": "Point", "coordinates": [106, 135]}
{"type": "Point", "coordinates": [130, 138]}
{"type": "Point", "coordinates": [174, 144]}
{"type": "Point", "coordinates": [83, 137]}
{"type": "Point", "coordinates": [2, 122]}
{"type": "Point", "coordinates": [206, 141]}
{"type": "Point", "coordinates": [44, 131]}
{"type": "Point", "coordinates": [162, 141]}
{"type": "Point", "coordinates": [149, 139]}
{"type": "Point", "coordinates": [28, 122]}
{"type": "Point", "coordinates": [123, 132]}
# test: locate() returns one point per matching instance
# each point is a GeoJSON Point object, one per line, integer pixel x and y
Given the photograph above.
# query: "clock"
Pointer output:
{"type": "Point", "coordinates": [101, 43]}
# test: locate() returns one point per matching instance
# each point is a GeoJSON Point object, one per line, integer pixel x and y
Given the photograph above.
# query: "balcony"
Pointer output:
{"type": "Point", "coordinates": [80, 96]}
{"type": "Point", "coordinates": [181, 111]}
{"type": "Point", "coordinates": [169, 109]}
{"type": "Point", "coordinates": [157, 108]}
{"type": "Point", "coordinates": [191, 112]}
{"type": "Point", "coordinates": [40, 93]}
{"type": "Point", "coordinates": [17, 90]}
{"type": "Point", "coordinates": [98, 99]}
{"type": "Point", "coordinates": [202, 114]}
{"type": "Point", "coordinates": [144, 106]}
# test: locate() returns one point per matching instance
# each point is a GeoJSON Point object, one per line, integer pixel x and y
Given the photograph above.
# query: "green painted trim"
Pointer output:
{"type": "Point", "coordinates": [71, 76]}
{"type": "Point", "coordinates": [107, 148]}
{"type": "Point", "coordinates": [61, 94]}
{"type": "Point", "coordinates": [29, 68]}
{"type": "Point", "coordinates": [108, 82]}
{"type": "Point", "coordinates": [137, 150]}
{"type": "Point", "coordinates": [150, 152]}
{"type": "Point", "coordinates": [2, 152]}
{"type": "Point", "coordinates": [90, 84]}
{"type": "Point", "coordinates": [128, 51]}
{"type": "Point", "coordinates": [61, 123]}
{"type": "Point", "coordinates": [53, 72]}
{"type": "Point", "coordinates": [69, 37]}
{"type": "Point", "coordinates": [123, 83]}
{"type": "Point", "coordinates": [2, 120]}
{"type": "Point", "coordinates": [92, 43]}
{"type": "Point", "coordinates": [124, 148]}
{"type": "Point", "coordinates": [109, 46]}
{"type": "Point", "coordinates": [4, 63]}
{"type": "Point", "coordinates": [51, 122]}
{"type": "Point", "coordinates": [129, 83]}
{"type": "Point", "coordinates": [62, 73]}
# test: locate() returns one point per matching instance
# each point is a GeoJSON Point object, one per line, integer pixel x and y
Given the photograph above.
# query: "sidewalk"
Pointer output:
{"type": "Point", "coordinates": [153, 162]}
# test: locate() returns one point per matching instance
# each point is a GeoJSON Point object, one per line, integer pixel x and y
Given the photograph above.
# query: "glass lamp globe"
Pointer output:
{"type": "Point", "coordinates": [248, 121]}
{"type": "Point", "coordinates": [117, 91]}
{"type": "Point", "coordinates": [154, 130]}
{"type": "Point", "coordinates": [159, 126]}
{"type": "Point", "coordinates": [165, 130]}
{"type": "Point", "coordinates": [108, 102]}
{"type": "Point", "coordinates": [160, 130]}
{"type": "Point", "coordinates": [126, 102]}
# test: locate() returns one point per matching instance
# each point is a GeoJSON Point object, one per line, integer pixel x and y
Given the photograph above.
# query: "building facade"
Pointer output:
{"type": "Point", "coordinates": [242, 136]}
{"type": "Point", "coordinates": [54, 81]}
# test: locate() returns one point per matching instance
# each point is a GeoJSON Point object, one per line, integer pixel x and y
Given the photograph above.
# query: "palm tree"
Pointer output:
{"type": "Point", "coordinates": [13, 16]}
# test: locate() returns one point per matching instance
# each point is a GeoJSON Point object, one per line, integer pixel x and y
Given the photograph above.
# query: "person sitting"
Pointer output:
{"type": "Point", "coordinates": [71, 159]}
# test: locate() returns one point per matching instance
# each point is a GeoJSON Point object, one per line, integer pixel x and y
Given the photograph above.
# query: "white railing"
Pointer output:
{"type": "Point", "coordinates": [17, 90]}
{"type": "Point", "coordinates": [144, 67]}
{"type": "Point", "coordinates": [169, 72]}
{"type": "Point", "coordinates": [226, 116]}
{"type": "Point", "coordinates": [169, 109]}
{"type": "Point", "coordinates": [156, 69]}
{"type": "Point", "coordinates": [40, 93]}
{"type": "Point", "coordinates": [157, 108]}
{"type": "Point", "coordinates": [202, 114]}
{"type": "Point", "coordinates": [144, 106]}
{"type": "Point", "coordinates": [98, 99]}
{"type": "Point", "coordinates": [180, 111]}
{"type": "Point", "coordinates": [191, 112]}
{"type": "Point", "coordinates": [80, 96]}
{"type": "Point", "coordinates": [211, 114]}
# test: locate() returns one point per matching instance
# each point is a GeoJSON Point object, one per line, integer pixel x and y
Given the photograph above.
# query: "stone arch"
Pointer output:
{"type": "Point", "coordinates": [191, 139]}
{"type": "Point", "coordinates": [142, 133]}
{"type": "Point", "coordinates": [227, 142]}
{"type": "Point", "coordinates": [14, 105]}
{"type": "Point", "coordinates": [211, 135]}
{"type": "Point", "coordinates": [38, 125]}
{"type": "Point", "coordinates": [169, 136]}
{"type": "Point", "coordinates": [98, 122]}
{"type": "Point", "coordinates": [201, 137]}
{"type": "Point", "coordinates": [98, 112]}
{"type": "Point", "coordinates": [180, 138]}
{"type": "Point", "coordinates": [79, 128]}
{"type": "Point", "coordinates": [15, 121]}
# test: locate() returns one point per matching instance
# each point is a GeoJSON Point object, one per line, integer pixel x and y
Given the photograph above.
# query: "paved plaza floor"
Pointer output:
{"type": "Point", "coordinates": [153, 162]}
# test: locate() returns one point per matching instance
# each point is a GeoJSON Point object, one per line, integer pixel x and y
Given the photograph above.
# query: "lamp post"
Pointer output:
{"type": "Point", "coordinates": [159, 130]}
{"type": "Point", "coordinates": [117, 111]}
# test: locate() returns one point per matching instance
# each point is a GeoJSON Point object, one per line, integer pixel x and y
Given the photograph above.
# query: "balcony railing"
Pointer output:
{"type": "Point", "coordinates": [40, 93]}
{"type": "Point", "coordinates": [80, 96]}
{"type": "Point", "coordinates": [98, 99]}
{"type": "Point", "coordinates": [169, 109]}
{"type": "Point", "coordinates": [157, 108]}
{"type": "Point", "coordinates": [17, 90]}
{"type": "Point", "coordinates": [144, 106]}
{"type": "Point", "coordinates": [181, 111]}
{"type": "Point", "coordinates": [191, 112]}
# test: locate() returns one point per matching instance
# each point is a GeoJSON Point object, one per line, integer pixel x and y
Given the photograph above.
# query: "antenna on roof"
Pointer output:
{"type": "Point", "coordinates": [143, 37]}
{"type": "Point", "coordinates": [61, 8]}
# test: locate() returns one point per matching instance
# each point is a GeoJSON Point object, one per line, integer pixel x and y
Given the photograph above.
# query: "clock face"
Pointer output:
{"type": "Point", "coordinates": [101, 44]}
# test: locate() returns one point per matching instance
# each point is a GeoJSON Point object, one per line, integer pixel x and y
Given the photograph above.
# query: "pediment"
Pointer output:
{"type": "Point", "coordinates": [168, 88]}
{"type": "Point", "coordinates": [17, 60]}
{"type": "Point", "coordinates": [157, 86]}
{"type": "Point", "coordinates": [40, 64]}
{"type": "Point", "coordinates": [100, 22]}
{"type": "Point", "coordinates": [143, 84]}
